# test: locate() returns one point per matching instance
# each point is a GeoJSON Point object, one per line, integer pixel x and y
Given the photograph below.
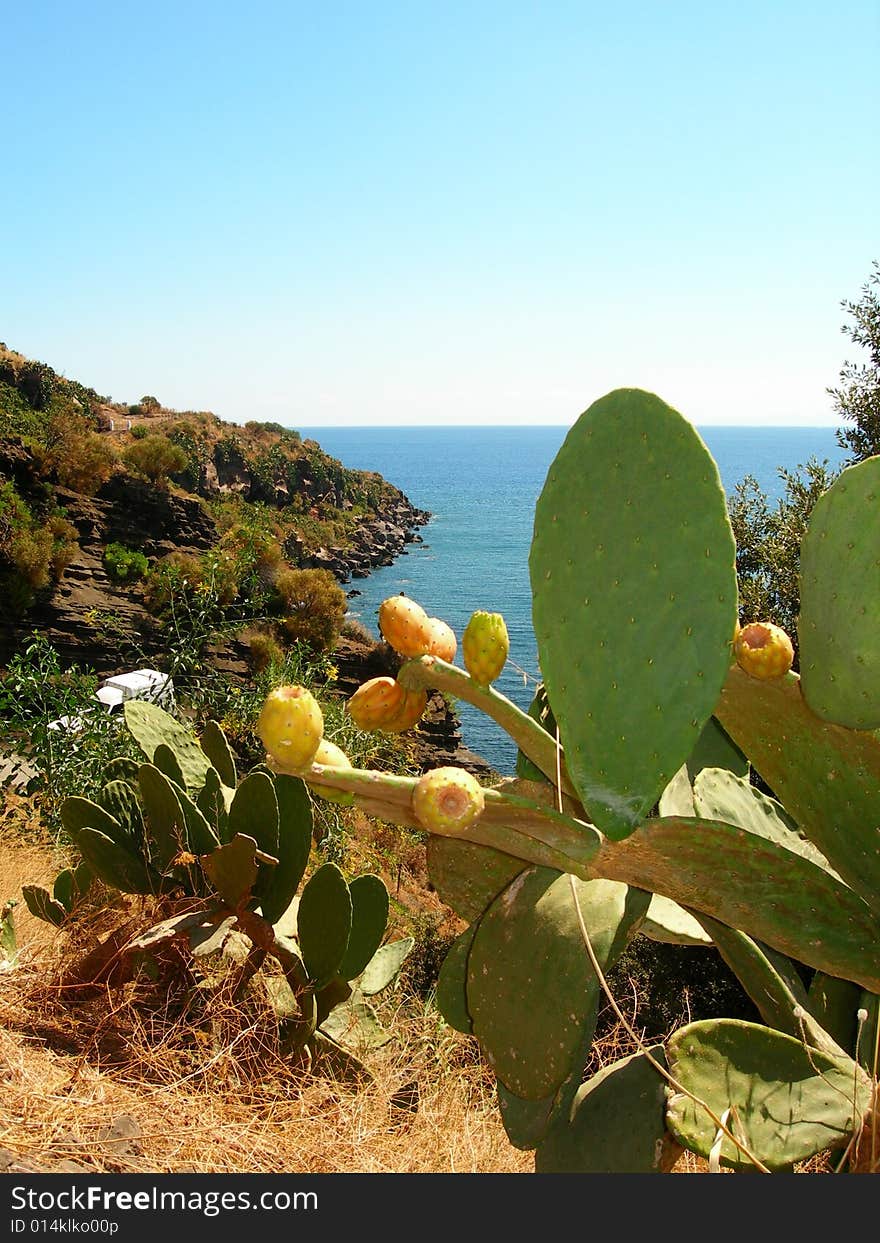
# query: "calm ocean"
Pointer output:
{"type": "Point", "coordinates": [481, 484]}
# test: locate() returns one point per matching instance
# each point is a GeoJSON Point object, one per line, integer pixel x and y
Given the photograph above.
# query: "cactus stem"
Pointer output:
{"type": "Point", "coordinates": [532, 740]}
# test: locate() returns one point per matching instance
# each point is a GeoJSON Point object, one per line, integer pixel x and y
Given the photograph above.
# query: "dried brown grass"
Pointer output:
{"type": "Point", "coordinates": [211, 1093]}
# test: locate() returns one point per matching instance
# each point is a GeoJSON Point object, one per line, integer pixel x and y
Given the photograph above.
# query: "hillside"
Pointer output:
{"type": "Point", "coordinates": [105, 508]}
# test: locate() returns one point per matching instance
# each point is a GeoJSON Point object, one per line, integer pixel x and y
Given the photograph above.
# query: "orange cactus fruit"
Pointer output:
{"type": "Point", "coordinates": [376, 703]}
{"type": "Point", "coordinates": [763, 650]}
{"type": "Point", "coordinates": [410, 713]}
{"type": "Point", "coordinates": [406, 626]}
{"type": "Point", "coordinates": [448, 801]}
{"type": "Point", "coordinates": [444, 644]}
{"type": "Point", "coordinates": [291, 726]}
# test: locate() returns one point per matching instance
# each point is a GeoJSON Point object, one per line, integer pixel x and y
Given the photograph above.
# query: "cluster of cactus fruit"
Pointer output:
{"type": "Point", "coordinates": [633, 811]}
{"type": "Point", "coordinates": [230, 855]}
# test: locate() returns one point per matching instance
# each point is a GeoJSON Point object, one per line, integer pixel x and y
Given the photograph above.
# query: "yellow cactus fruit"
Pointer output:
{"type": "Point", "coordinates": [334, 757]}
{"type": "Point", "coordinates": [376, 702]}
{"type": "Point", "coordinates": [763, 650]}
{"type": "Point", "coordinates": [485, 645]}
{"type": "Point", "coordinates": [444, 644]}
{"type": "Point", "coordinates": [406, 626]}
{"type": "Point", "coordinates": [290, 726]}
{"type": "Point", "coordinates": [448, 801]}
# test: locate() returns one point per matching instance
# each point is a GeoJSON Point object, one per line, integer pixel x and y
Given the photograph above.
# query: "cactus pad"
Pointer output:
{"type": "Point", "coordinates": [294, 844]}
{"type": "Point", "coordinates": [634, 600]}
{"type": "Point", "coordinates": [616, 1124]}
{"type": "Point", "coordinates": [531, 990]}
{"type": "Point", "coordinates": [790, 1101]}
{"type": "Point", "coordinates": [232, 870]}
{"type": "Point", "coordinates": [151, 725]}
{"type": "Point", "coordinates": [369, 918]}
{"type": "Point", "coordinates": [213, 743]}
{"type": "Point", "coordinates": [837, 631]}
{"type": "Point", "coordinates": [451, 994]}
{"type": "Point", "coordinates": [827, 777]}
{"type": "Point", "coordinates": [468, 876]}
{"type": "Point", "coordinates": [323, 923]}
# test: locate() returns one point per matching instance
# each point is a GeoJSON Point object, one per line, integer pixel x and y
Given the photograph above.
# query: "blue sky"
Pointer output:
{"type": "Point", "coordinates": [441, 213]}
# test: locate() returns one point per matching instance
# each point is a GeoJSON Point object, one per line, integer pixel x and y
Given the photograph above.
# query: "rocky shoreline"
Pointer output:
{"type": "Point", "coordinates": [96, 623]}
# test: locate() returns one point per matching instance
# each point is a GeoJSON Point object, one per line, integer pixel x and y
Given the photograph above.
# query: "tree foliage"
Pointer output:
{"type": "Point", "coordinates": [768, 540]}
{"type": "Point", "coordinates": [857, 399]}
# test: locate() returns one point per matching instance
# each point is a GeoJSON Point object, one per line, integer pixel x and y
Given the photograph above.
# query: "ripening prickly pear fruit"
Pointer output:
{"type": "Point", "coordinates": [334, 757]}
{"type": "Point", "coordinates": [485, 646]}
{"type": "Point", "coordinates": [763, 650]}
{"type": "Point", "coordinates": [376, 703]}
{"type": "Point", "coordinates": [448, 800]}
{"type": "Point", "coordinates": [405, 625]}
{"type": "Point", "coordinates": [443, 641]}
{"type": "Point", "coordinates": [291, 725]}
{"type": "Point", "coordinates": [414, 704]}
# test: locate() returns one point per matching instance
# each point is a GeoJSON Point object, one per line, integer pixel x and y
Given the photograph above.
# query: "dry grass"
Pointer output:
{"type": "Point", "coordinates": [234, 1105]}
{"type": "Point", "coordinates": [207, 1085]}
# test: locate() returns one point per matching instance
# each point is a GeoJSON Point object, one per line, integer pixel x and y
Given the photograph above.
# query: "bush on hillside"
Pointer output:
{"type": "Point", "coordinates": [156, 458]}
{"type": "Point", "coordinates": [312, 605]}
{"type": "Point", "coordinates": [125, 565]}
{"type": "Point", "coordinates": [79, 458]}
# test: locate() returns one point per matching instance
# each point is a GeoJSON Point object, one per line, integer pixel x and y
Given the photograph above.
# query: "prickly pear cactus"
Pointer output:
{"type": "Point", "coordinates": [634, 600]}
{"type": "Point", "coordinates": [634, 605]}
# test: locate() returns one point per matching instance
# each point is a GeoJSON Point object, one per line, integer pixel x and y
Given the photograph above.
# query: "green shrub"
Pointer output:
{"type": "Point", "coordinates": [33, 553]}
{"type": "Point", "coordinates": [313, 606]}
{"type": "Point", "coordinates": [176, 574]}
{"type": "Point", "coordinates": [139, 431]}
{"type": "Point", "coordinates": [125, 565]}
{"type": "Point", "coordinates": [155, 457]}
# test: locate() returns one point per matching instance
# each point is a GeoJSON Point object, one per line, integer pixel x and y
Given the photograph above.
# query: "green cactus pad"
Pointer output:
{"type": "Point", "coordinates": [531, 990]}
{"type": "Point", "coordinates": [166, 761]}
{"type": "Point", "coordinates": [634, 600]}
{"type": "Point", "coordinates": [790, 1101]}
{"type": "Point", "coordinates": [355, 1026]}
{"type": "Point", "coordinates": [468, 876]}
{"type": "Point", "coordinates": [151, 726]}
{"type": "Point", "coordinates": [369, 919]}
{"type": "Point", "coordinates": [323, 923]}
{"type": "Point", "coordinates": [214, 801]}
{"type": "Point", "coordinates": [748, 882]}
{"type": "Point", "coordinates": [451, 994]}
{"type": "Point", "coordinates": [527, 1122]}
{"type": "Point", "coordinates": [384, 967]}
{"type": "Point", "coordinates": [835, 1003]}
{"type": "Point", "coordinates": [232, 869]}
{"type": "Point", "coordinates": [200, 837]}
{"type": "Point", "coordinates": [121, 769]}
{"type": "Point", "coordinates": [840, 612]}
{"type": "Point", "coordinates": [81, 813]}
{"type": "Point", "coordinates": [214, 744]}
{"type": "Point", "coordinates": [720, 795]}
{"type": "Point", "coordinates": [114, 865]}
{"type": "Point", "coordinates": [827, 777]}
{"type": "Point", "coordinates": [254, 811]}
{"type": "Point", "coordinates": [716, 749]}
{"type": "Point", "coordinates": [540, 711]}
{"type": "Point", "coordinates": [671, 924]}
{"type": "Point", "coordinates": [294, 845]}
{"type": "Point", "coordinates": [118, 798]}
{"type": "Point", "coordinates": [166, 823]}
{"type": "Point", "coordinates": [773, 984]}
{"type": "Point", "coordinates": [71, 885]}
{"type": "Point", "coordinates": [42, 905]}
{"type": "Point", "coordinates": [616, 1124]}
